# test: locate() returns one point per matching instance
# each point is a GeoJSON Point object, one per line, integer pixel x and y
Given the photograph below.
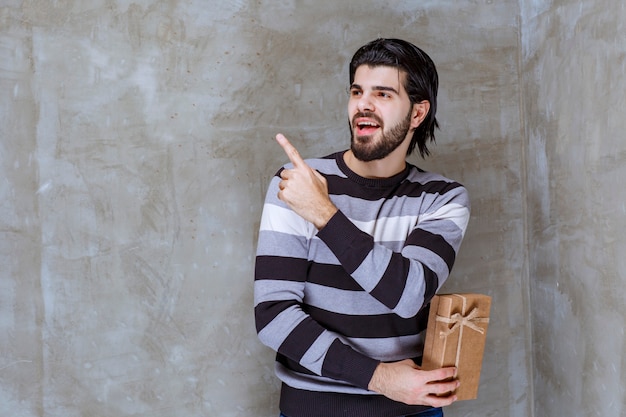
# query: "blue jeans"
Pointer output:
{"type": "Point", "coordinates": [435, 412]}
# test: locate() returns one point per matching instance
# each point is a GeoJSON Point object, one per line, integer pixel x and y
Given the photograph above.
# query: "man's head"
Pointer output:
{"type": "Point", "coordinates": [419, 79]}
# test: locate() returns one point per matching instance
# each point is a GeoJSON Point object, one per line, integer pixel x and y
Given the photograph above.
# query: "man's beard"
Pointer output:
{"type": "Point", "coordinates": [366, 148]}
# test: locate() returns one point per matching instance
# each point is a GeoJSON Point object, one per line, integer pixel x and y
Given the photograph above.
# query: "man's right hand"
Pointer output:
{"type": "Point", "coordinates": [304, 189]}
{"type": "Point", "coordinates": [404, 381]}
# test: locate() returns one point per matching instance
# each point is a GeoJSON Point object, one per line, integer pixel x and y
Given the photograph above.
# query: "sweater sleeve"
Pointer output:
{"type": "Point", "coordinates": [281, 321]}
{"type": "Point", "coordinates": [404, 281]}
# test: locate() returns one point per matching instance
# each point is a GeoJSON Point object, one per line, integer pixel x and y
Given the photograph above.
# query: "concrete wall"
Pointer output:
{"type": "Point", "coordinates": [136, 145]}
{"type": "Point", "coordinates": [574, 67]}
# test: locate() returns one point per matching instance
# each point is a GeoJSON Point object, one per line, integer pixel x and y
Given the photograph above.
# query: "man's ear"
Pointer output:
{"type": "Point", "coordinates": [419, 113]}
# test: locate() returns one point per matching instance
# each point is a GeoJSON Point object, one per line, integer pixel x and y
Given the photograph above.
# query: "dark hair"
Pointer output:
{"type": "Point", "coordinates": [421, 81]}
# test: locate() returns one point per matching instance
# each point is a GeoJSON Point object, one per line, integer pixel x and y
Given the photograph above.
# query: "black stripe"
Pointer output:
{"type": "Point", "coordinates": [280, 268]}
{"type": "Point", "coordinates": [433, 242]}
{"type": "Point", "coordinates": [344, 186]}
{"type": "Point", "coordinates": [267, 311]}
{"type": "Point", "coordinates": [279, 172]}
{"type": "Point", "coordinates": [293, 365]}
{"type": "Point", "coordinates": [334, 276]}
{"type": "Point", "coordinates": [298, 402]}
{"type": "Point", "coordinates": [432, 283]}
{"type": "Point", "coordinates": [437, 187]}
{"type": "Point", "coordinates": [368, 326]}
{"type": "Point", "coordinates": [352, 252]}
{"type": "Point", "coordinates": [391, 286]}
{"type": "Point", "coordinates": [342, 362]}
{"type": "Point", "coordinates": [301, 338]}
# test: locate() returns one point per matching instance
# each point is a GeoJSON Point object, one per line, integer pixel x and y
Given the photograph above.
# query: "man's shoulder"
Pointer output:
{"type": "Point", "coordinates": [421, 176]}
{"type": "Point", "coordinates": [441, 187]}
{"type": "Point", "coordinates": [326, 163]}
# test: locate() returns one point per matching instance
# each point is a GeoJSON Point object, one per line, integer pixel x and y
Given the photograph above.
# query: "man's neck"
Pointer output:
{"type": "Point", "coordinates": [382, 168]}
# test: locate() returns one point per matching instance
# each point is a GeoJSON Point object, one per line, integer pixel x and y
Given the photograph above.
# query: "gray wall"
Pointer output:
{"type": "Point", "coordinates": [574, 67]}
{"type": "Point", "coordinates": [137, 142]}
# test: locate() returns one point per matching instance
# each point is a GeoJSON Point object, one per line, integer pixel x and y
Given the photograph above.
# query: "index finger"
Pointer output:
{"type": "Point", "coordinates": [290, 150]}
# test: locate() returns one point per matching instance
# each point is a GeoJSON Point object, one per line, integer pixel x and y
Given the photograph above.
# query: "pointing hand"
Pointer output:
{"type": "Point", "coordinates": [304, 189]}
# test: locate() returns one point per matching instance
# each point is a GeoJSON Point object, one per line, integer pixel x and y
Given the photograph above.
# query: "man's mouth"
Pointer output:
{"type": "Point", "coordinates": [365, 126]}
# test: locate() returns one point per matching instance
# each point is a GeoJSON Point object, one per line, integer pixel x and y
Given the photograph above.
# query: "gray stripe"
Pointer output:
{"type": "Point", "coordinates": [313, 359]}
{"type": "Point", "coordinates": [281, 244]}
{"type": "Point", "coordinates": [432, 261]}
{"type": "Point", "coordinates": [411, 301]}
{"type": "Point", "coordinates": [390, 349]}
{"type": "Point", "coordinates": [275, 333]}
{"type": "Point", "coordinates": [365, 210]}
{"type": "Point", "coordinates": [443, 227]}
{"type": "Point", "coordinates": [343, 301]}
{"type": "Point", "coordinates": [326, 166]}
{"type": "Point", "coordinates": [271, 290]}
{"type": "Point", "coordinates": [372, 268]}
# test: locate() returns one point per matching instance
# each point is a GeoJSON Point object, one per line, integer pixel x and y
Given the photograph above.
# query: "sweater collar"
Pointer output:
{"type": "Point", "coordinates": [371, 182]}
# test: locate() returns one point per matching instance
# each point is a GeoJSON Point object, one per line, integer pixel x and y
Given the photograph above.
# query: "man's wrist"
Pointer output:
{"type": "Point", "coordinates": [325, 215]}
{"type": "Point", "coordinates": [374, 384]}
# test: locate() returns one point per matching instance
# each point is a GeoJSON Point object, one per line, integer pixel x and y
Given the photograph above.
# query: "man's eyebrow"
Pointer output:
{"type": "Point", "coordinates": [383, 88]}
{"type": "Point", "coordinates": [376, 88]}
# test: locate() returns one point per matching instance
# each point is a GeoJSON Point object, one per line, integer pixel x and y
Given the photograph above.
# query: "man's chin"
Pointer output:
{"type": "Point", "coordinates": [363, 139]}
{"type": "Point", "coordinates": [365, 155]}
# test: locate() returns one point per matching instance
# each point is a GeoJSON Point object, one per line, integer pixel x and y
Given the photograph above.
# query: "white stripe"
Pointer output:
{"type": "Point", "coordinates": [284, 220]}
{"type": "Point", "coordinates": [384, 229]}
{"type": "Point", "coordinates": [455, 213]}
{"type": "Point", "coordinates": [388, 229]}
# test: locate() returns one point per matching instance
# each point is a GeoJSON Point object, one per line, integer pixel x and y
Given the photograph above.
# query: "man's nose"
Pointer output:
{"type": "Point", "coordinates": [365, 103]}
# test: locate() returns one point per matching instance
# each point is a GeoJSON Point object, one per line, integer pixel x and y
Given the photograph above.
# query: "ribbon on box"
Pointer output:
{"type": "Point", "coordinates": [460, 321]}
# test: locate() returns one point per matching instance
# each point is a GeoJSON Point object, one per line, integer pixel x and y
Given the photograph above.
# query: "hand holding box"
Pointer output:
{"type": "Point", "coordinates": [456, 334]}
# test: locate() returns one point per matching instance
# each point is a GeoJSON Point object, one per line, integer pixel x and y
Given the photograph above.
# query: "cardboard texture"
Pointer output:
{"type": "Point", "coordinates": [456, 334]}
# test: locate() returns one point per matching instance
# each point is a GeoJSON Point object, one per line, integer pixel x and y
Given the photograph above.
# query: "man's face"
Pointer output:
{"type": "Point", "coordinates": [379, 112]}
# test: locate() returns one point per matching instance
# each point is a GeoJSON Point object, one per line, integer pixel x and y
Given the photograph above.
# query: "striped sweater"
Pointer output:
{"type": "Point", "coordinates": [334, 303]}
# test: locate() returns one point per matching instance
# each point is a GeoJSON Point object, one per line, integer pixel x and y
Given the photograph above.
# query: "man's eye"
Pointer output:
{"type": "Point", "coordinates": [355, 93]}
{"type": "Point", "coordinates": [384, 95]}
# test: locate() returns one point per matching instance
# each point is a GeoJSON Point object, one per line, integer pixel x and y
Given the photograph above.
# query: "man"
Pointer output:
{"type": "Point", "coordinates": [353, 246]}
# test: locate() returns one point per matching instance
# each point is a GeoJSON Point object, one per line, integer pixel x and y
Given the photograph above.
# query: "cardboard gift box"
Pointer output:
{"type": "Point", "coordinates": [456, 333]}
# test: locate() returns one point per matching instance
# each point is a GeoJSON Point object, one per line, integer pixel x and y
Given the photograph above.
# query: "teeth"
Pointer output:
{"type": "Point", "coordinates": [367, 124]}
